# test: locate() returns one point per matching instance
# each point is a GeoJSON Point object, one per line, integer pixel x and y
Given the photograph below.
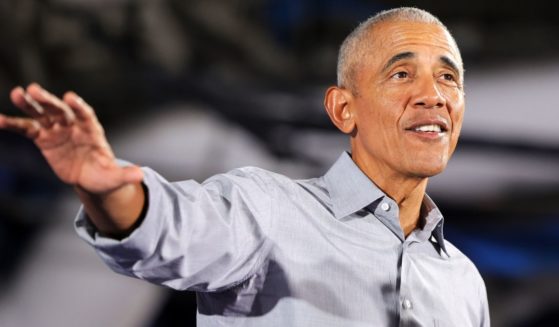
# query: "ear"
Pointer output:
{"type": "Point", "coordinates": [338, 105]}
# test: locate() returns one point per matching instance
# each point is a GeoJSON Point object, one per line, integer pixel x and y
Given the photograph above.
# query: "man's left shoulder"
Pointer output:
{"type": "Point", "coordinates": [457, 257]}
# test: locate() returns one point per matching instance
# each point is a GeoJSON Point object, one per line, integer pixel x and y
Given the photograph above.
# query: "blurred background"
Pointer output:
{"type": "Point", "coordinates": [194, 88]}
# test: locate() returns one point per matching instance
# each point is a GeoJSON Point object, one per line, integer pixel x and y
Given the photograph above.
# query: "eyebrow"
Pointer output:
{"type": "Point", "coordinates": [409, 55]}
{"type": "Point", "coordinates": [398, 57]}
{"type": "Point", "coordinates": [449, 62]}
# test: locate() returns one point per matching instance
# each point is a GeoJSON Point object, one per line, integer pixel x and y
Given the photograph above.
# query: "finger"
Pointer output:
{"type": "Point", "coordinates": [25, 126]}
{"type": "Point", "coordinates": [81, 109]}
{"type": "Point", "coordinates": [57, 109]}
{"type": "Point", "coordinates": [18, 99]}
{"type": "Point", "coordinates": [29, 106]}
{"type": "Point", "coordinates": [43, 117]}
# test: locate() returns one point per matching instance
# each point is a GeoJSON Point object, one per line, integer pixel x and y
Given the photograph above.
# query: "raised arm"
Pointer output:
{"type": "Point", "coordinates": [73, 142]}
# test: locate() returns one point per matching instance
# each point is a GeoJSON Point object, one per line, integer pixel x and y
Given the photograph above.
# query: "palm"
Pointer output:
{"type": "Point", "coordinates": [78, 157]}
{"type": "Point", "coordinates": [73, 143]}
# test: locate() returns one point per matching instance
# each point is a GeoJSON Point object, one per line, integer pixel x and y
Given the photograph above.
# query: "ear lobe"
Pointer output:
{"type": "Point", "coordinates": [337, 102]}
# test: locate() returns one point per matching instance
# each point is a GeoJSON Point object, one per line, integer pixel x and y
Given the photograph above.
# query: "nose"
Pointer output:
{"type": "Point", "coordinates": [428, 95]}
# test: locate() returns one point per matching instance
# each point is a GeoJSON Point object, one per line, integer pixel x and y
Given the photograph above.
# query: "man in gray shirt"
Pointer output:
{"type": "Point", "coordinates": [360, 246]}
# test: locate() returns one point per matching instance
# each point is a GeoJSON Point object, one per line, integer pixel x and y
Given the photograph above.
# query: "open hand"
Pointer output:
{"type": "Point", "coordinates": [70, 138]}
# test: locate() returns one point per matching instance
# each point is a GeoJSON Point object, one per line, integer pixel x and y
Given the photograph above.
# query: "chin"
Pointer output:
{"type": "Point", "coordinates": [428, 170]}
{"type": "Point", "coordinates": [428, 164]}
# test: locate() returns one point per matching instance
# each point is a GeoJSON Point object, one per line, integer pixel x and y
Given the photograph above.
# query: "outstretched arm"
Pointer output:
{"type": "Point", "coordinates": [73, 142]}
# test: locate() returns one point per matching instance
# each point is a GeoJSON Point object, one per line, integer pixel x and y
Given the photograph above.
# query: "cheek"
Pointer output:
{"type": "Point", "coordinates": [457, 116]}
{"type": "Point", "coordinates": [455, 104]}
{"type": "Point", "coordinates": [379, 113]}
{"type": "Point", "coordinates": [391, 106]}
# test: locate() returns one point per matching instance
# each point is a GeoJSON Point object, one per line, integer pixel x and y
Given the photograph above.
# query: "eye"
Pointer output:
{"type": "Point", "coordinates": [400, 75]}
{"type": "Point", "coordinates": [449, 77]}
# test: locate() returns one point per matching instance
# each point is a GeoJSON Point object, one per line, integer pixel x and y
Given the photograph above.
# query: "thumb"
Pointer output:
{"type": "Point", "coordinates": [132, 174]}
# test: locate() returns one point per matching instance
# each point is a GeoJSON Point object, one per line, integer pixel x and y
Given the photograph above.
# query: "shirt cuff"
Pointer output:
{"type": "Point", "coordinates": [121, 254]}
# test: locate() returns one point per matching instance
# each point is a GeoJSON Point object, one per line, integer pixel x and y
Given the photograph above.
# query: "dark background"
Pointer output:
{"type": "Point", "coordinates": [193, 88]}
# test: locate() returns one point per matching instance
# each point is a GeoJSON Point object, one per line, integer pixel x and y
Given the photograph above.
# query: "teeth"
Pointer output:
{"type": "Point", "coordinates": [428, 128]}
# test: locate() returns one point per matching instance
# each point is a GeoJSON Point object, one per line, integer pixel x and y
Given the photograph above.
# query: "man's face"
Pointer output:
{"type": "Point", "coordinates": [409, 101]}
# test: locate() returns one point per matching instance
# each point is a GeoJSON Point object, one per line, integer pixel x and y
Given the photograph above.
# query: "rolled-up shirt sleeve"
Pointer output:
{"type": "Point", "coordinates": [197, 236]}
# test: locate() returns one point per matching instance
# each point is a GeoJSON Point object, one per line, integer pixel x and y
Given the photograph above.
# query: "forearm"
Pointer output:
{"type": "Point", "coordinates": [167, 245]}
{"type": "Point", "coordinates": [115, 213]}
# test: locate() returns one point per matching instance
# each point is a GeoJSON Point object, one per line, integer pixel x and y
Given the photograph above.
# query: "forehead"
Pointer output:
{"type": "Point", "coordinates": [392, 37]}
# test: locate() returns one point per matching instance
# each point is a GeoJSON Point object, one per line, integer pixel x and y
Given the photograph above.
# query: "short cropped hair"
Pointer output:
{"type": "Point", "coordinates": [354, 48]}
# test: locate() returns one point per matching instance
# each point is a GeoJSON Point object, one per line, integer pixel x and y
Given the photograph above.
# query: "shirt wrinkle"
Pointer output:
{"type": "Point", "coordinates": [298, 253]}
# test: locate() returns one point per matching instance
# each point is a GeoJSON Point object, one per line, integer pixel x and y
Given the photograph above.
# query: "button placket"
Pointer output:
{"type": "Point", "coordinates": [405, 302]}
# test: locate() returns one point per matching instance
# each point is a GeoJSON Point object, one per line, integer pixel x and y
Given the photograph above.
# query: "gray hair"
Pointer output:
{"type": "Point", "coordinates": [353, 50]}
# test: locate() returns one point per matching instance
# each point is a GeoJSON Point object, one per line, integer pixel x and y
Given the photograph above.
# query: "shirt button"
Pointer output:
{"type": "Point", "coordinates": [385, 206]}
{"type": "Point", "coordinates": [406, 304]}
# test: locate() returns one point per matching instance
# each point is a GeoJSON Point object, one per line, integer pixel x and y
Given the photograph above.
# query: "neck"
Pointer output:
{"type": "Point", "coordinates": [407, 191]}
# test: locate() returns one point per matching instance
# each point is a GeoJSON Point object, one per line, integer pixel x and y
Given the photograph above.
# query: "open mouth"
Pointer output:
{"type": "Point", "coordinates": [431, 129]}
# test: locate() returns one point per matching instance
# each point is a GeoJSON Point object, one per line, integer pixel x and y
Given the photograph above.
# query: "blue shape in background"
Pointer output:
{"type": "Point", "coordinates": [512, 252]}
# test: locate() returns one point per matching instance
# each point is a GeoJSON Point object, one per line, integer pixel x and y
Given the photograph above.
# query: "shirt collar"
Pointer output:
{"type": "Point", "coordinates": [434, 222]}
{"type": "Point", "coordinates": [351, 190]}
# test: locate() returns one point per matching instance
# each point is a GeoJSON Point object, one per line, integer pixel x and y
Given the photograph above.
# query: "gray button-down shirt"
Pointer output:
{"type": "Point", "coordinates": [265, 250]}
